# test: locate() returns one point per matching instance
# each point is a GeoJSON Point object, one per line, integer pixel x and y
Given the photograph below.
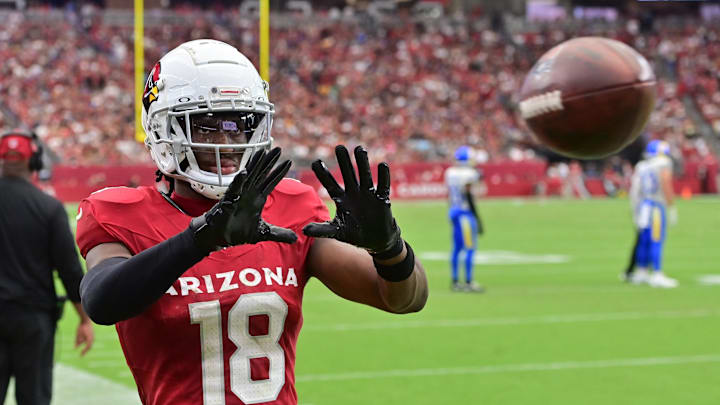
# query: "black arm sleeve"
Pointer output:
{"type": "Point", "coordinates": [471, 202]}
{"type": "Point", "coordinates": [120, 288]}
{"type": "Point", "coordinates": [64, 255]}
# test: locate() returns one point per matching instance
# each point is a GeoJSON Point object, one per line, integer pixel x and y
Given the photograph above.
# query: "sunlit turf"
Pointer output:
{"type": "Point", "coordinates": [555, 333]}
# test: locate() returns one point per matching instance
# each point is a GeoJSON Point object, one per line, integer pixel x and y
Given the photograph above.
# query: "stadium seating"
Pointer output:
{"type": "Point", "coordinates": [410, 91]}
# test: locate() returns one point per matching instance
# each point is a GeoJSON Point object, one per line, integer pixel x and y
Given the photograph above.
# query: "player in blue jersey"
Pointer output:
{"type": "Point", "coordinates": [651, 197]}
{"type": "Point", "coordinates": [463, 216]}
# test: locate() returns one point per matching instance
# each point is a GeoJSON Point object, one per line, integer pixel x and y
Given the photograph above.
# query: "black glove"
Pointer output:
{"type": "Point", "coordinates": [363, 217]}
{"type": "Point", "coordinates": [235, 220]}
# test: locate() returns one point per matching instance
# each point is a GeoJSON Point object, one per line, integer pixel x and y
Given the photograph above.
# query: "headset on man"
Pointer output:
{"type": "Point", "coordinates": [36, 161]}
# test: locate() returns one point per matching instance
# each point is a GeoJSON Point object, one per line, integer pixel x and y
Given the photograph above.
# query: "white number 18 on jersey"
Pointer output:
{"type": "Point", "coordinates": [209, 316]}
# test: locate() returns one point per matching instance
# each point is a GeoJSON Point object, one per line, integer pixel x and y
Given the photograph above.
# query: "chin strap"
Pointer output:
{"type": "Point", "coordinates": [173, 203]}
{"type": "Point", "coordinates": [171, 182]}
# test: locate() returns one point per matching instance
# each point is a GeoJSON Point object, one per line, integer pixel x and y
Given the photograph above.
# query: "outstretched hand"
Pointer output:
{"type": "Point", "coordinates": [236, 219]}
{"type": "Point", "coordinates": [363, 217]}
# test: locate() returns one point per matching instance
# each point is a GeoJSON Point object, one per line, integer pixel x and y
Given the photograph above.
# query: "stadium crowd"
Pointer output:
{"type": "Point", "coordinates": [413, 91]}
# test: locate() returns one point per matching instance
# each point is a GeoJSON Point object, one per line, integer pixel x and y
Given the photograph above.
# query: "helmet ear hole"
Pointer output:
{"type": "Point", "coordinates": [163, 156]}
{"type": "Point", "coordinates": [171, 163]}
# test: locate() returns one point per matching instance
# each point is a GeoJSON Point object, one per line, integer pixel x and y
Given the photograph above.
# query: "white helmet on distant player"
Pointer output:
{"type": "Point", "coordinates": [198, 89]}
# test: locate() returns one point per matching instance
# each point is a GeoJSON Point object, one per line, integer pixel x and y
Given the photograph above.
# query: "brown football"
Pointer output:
{"type": "Point", "coordinates": [588, 97]}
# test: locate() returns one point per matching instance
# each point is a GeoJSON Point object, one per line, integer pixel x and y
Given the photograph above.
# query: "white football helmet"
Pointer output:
{"type": "Point", "coordinates": [197, 79]}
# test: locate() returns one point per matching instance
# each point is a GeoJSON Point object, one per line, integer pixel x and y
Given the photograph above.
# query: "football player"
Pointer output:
{"type": "Point", "coordinates": [205, 283]}
{"type": "Point", "coordinates": [464, 218]}
{"type": "Point", "coordinates": [651, 197]}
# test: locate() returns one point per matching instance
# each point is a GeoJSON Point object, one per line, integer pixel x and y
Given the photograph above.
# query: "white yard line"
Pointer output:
{"type": "Point", "coordinates": [327, 296]}
{"type": "Point", "coordinates": [511, 368]}
{"type": "Point", "coordinates": [522, 320]}
{"type": "Point", "coordinates": [72, 386]}
{"type": "Point", "coordinates": [709, 279]}
{"type": "Point", "coordinates": [500, 257]}
{"type": "Point", "coordinates": [77, 387]}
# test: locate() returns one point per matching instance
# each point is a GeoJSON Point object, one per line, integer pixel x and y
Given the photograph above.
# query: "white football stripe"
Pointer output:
{"type": "Point", "coordinates": [709, 279]}
{"type": "Point", "coordinates": [500, 257]}
{"type": "Point", "coordinates": [523, 320]}
{"type": "Point", "coordinates": [511, 368]}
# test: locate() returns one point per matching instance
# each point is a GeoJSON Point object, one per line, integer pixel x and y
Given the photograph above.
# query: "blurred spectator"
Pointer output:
{"type": "Point", "coordinates": [413, 90]}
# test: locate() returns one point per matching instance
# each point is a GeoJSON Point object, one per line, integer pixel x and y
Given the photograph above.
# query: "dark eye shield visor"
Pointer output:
{"type": "Point", "coordinates": [237, 126]}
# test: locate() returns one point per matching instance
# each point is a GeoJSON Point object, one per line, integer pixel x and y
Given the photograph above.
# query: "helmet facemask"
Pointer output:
{"type": "Point", "coordinates": [218, 141]}
{"type": "Point", "coordinates": [211, 146]}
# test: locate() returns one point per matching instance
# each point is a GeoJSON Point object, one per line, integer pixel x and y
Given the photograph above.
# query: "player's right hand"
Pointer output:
{"type": "Point", "coordinates": [235, 219]}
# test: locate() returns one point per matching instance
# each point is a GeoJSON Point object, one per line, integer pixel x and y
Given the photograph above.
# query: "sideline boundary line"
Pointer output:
{"type": "Point", "coordinates": [79, 387]}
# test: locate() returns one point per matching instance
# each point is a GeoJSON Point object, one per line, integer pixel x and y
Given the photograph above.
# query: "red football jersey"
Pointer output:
{"type": "Point", "coordinates": [225, 332]}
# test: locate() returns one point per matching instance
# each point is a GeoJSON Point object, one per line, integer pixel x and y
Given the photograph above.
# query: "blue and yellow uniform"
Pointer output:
{"type": "Point", "coordinates": [462, 213]}
{"type": "Point", "coordinates": [650, 205]}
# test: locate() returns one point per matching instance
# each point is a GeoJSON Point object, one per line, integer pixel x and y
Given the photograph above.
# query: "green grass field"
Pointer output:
{"type": "Point", "coordinates": [556, 325]}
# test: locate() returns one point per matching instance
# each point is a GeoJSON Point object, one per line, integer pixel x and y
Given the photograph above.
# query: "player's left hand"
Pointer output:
{"type": "Point", "coordinates": [363, 217]}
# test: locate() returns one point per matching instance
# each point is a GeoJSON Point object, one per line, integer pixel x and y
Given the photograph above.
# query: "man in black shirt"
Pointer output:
{"type": "Point", "coordinates": [35, 238]}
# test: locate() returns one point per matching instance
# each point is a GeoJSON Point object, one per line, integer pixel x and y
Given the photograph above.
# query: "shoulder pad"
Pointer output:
{"type": "Point", "coordinates": [294, 204]}
{"type": "Point", "coordinates": [119, 195]}
{"type": "Point", "coordinates": [666, 160]}
{"type": "Point", "coordinates": [290, 186]}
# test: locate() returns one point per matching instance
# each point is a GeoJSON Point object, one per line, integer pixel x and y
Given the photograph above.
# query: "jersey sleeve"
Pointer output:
{"type": "Point", "coordinates": [634, 193]}
{"type": "Point", "coordinates": [90, 232]}
{"type": "Point", "coordinates": [107, 216]}
{"type": "Point", "coordinates": [470, 176]}
{"type": "Point", "coordinates": [665, 163]}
